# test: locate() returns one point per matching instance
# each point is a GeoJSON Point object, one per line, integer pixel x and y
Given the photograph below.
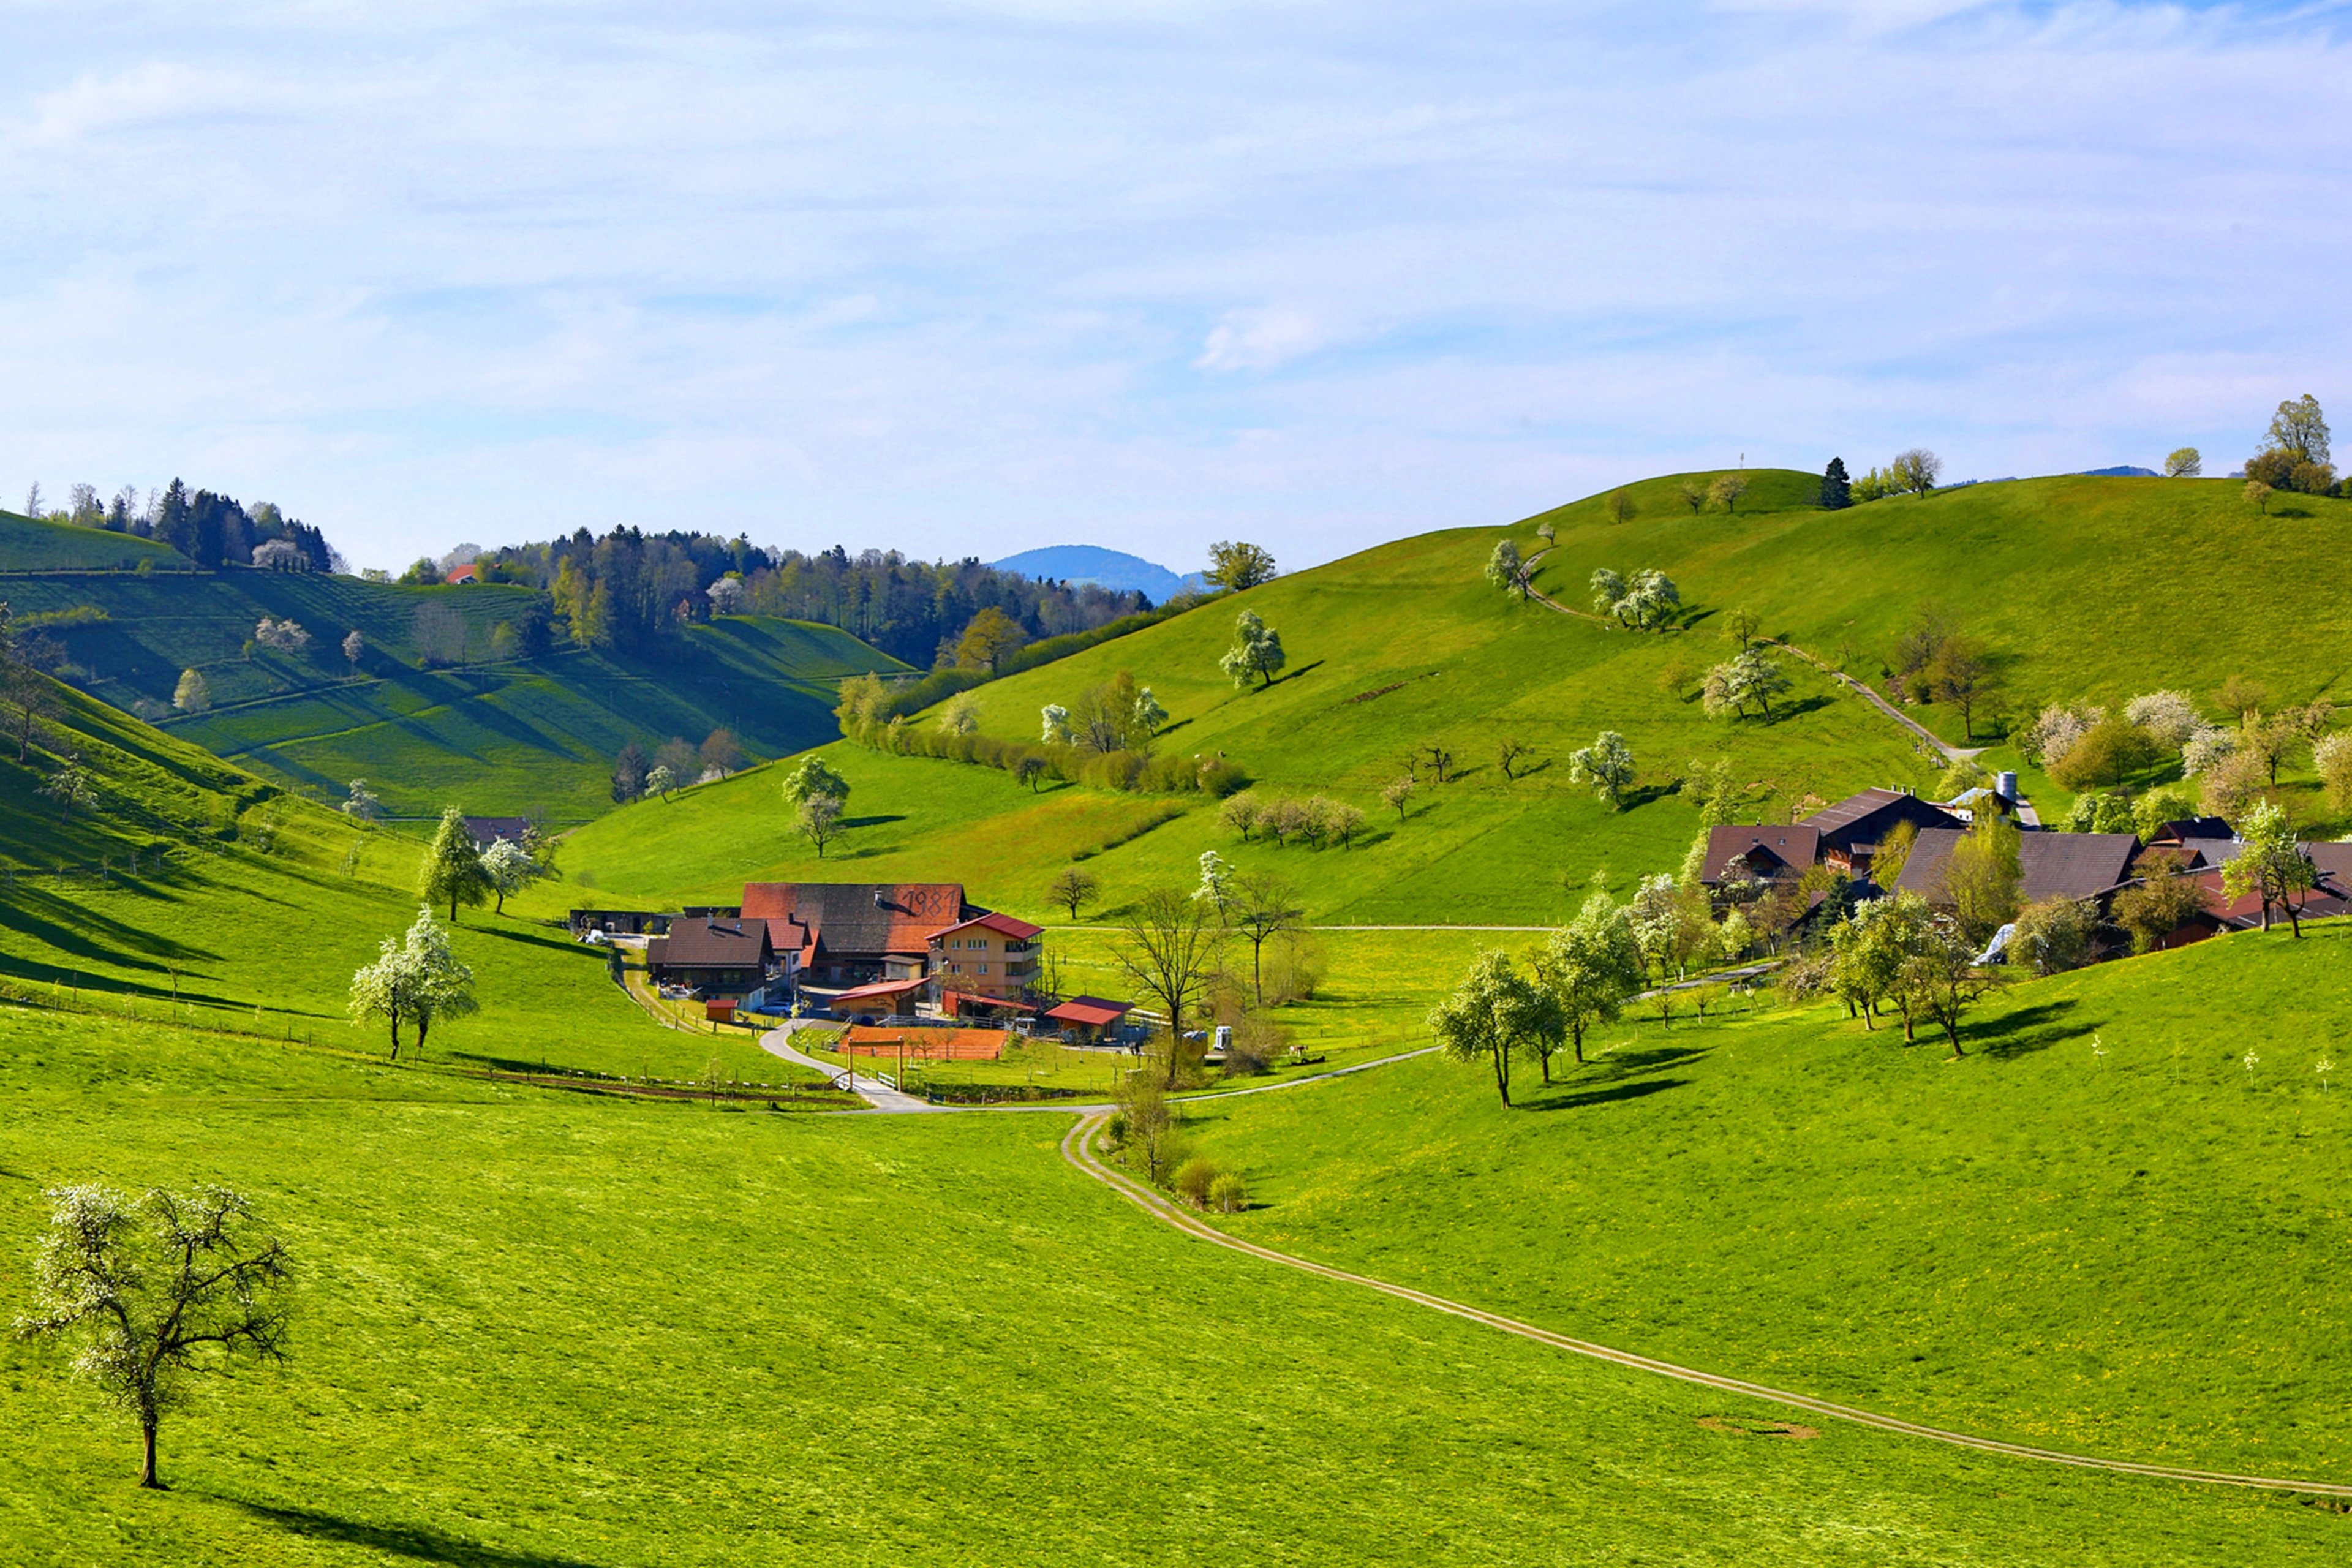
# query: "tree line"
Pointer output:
{"type": "Point", "coordinates": [210, 529]}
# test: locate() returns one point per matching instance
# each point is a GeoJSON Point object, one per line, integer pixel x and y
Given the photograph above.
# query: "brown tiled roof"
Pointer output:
{"type": "Point", "coordinates": [1795, 847]}
{"type": "Point", "coordinates": [861, 918]}
{"type": "Point", "coordinates": [710, 942]}
{"type": "Point", "coordinates": [1003, 925]}
{"type": "Point", "coordinates": [2050, 865]}
{"type": "Point", "coordinates": [1855, 811]}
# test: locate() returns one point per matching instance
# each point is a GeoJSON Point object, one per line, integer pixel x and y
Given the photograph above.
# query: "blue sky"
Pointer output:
{"type": "Point", "coordinates": [972, 278]}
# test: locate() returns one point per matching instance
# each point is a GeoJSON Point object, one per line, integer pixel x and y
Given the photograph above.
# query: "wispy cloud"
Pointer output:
{"type": "Point", "coordinates": [1151, 273]}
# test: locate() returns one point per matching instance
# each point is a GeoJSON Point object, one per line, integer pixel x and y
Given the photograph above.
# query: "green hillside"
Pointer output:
{"type": "Point", "coordinates": [505, 736]}
{"type": "Point", "coordinates": [538, 1330]}
{"type": "Point", "coordinates": [189, 888]}
{"type": "Point", "coordinates": [29, 545]}
{"type": "Point", "coordinates": [1390, 650]}
{"type": "Point", "coordinates": [2085, 588]}
{"type": "Point", "coordinates": [2105, 1229]}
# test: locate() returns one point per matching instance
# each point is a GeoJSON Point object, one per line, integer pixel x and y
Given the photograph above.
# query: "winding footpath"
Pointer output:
{"type": "Point", "coordinates": [1077, 1149]}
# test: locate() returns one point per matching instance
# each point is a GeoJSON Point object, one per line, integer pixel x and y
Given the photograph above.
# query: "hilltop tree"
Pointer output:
{"type": "Point", "coordinates": [1168, 948]}
{"type": "Point", "coordinates": [148, 1287]}
{"type": "Point", "coordinates": [661, 781]}
{"type": "Point", "coordinates": [1071, 890]}
{"type": "Point", "coordinates": [452, 870]}
{"type": "Point", "coordinates": [1491, 1015]}
{"type": "Point", "coordinates": [1916, 470]}
{"type": "Point", "coordinates": [1256, 651]}
{"type": "Point", "coordinates": [2185, 463]}
{"type": "Point", "coordinates": [193, 694]}
{"type": "Point", "coordinates": [818, 820]}
{"type": "Point", "coordinates": [1505, 571]}
{"type": "Point", "coordinates": [2259, 493]}
{"type": "Point", "coordinates": [2295, 455]}
{"type": "Point", "coordinates": [1690, 495]}
{"type": "Point", "coordinates": [1726, 489]}
{"type": "Point", "coordinates": [1837, 487]}
{"type": "Point", "coordinates": [1620, 506]}
{"type": "Point", "coordinates": [683, 761]}
{"type": "Point", "coordinates": [814, 778]}
{"type": "Point", "coordinates": [1238, 566]}
{"type": "Point", "coordinates": [992, 637]}
{"type": "Point", "coordinates": [2269, 863]}
{"type": "Point", "coordinates": [1607, 766]}
{"type": "Point", "coordinates": [1590, 968]}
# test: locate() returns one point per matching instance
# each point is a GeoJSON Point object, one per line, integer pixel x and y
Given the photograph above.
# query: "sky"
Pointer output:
{"type": "Point", "coordinates": [967, 279]}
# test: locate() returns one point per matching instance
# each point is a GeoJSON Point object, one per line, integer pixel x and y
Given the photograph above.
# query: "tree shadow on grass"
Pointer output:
{"type": "Point", "coordinates": [2024, 1031]}
{"type": "Point", "coordinates": [872, 821]}
{"type": "Point", "coordinates": [1637, 1090]}
{"type": "Point", "coordinates": [413, 1542]}
{"type": "Point", "coordinates": [1635, 799]}
{"type": "Point", "coordinates": [1799, 709]}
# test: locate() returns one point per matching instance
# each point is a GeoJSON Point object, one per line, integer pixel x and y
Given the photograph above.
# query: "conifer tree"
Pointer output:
{"type": "Point", "coordinates": [1837, 489]}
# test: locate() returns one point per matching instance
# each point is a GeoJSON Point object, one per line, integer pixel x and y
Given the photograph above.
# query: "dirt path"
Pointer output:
{"type": "Point", "coordinates": [1949, 753]}
{"type": "Point", "coordinates": [877, 1094]}
{"type": "Point", "coordinates": [1078, 1150]}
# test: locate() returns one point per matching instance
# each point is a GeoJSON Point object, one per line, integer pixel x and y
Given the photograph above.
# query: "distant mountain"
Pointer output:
{"type": "Point", "coordinates": [1093, 563]}
{"type": "Point", "coordinates": [2120, 471]}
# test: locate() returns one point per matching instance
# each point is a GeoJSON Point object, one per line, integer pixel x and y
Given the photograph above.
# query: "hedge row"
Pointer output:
{"type": "Point", "coordinates": [1035, 763]}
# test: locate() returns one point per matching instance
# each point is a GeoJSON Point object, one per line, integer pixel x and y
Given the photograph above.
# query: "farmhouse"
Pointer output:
{"type": "Point", "coordinates": [2082, 866]}
{"type": "Point", "coordinates": [989, 955]}
{"type": "Point", "coordinates": [1759, 854]}
{"type": "Point", "coordinates": [718, 957]}
{"type": "Point", "coordinates": [858, 933]}
{"type": "Point", "coordinates": [486, 831]}
{"type": "Point", "coordinates": [1852, 830]}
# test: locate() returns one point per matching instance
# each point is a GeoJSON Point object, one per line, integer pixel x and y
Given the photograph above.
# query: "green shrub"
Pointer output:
{"type": "Point", "coordinates": [1115, 1129]}
{"type": "Point", "coordinates": [1194, 1178]}
{"type": "Point", "coordinates": [1228, 1194]}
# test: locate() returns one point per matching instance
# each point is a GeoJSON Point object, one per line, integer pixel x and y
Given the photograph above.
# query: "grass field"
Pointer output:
{"type": "Point", "coordinates": [30, 545]}
{"type": "Point", "coordinates": [2131, 1254]}
{"type": "Point", "coordinates": [537, 1331]}
{"type": "Point", "coordinates": [505, 737]}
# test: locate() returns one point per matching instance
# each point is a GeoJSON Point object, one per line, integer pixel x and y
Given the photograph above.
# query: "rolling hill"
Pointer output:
{"type": "Point", "coordinates": [507, 735]}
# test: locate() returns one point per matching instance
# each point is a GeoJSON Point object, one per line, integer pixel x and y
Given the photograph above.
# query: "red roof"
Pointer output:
{"type": "Point", "coordinates": [1003, 925]}
{"type": "Point", "coordinates": [860, 918]}
{"type": "Point", "coordinates": [951, 1000]}
{"type": "Point", "coordinates": [877, 991]}
{"type": "Point", "coordinates": [466, 573]}
{"type": "Point", "coordinates": [1091, 1011]}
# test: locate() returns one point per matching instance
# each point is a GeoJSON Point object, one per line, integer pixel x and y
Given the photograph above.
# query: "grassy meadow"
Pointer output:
{"type": "Point", "coordinates": [535, 1330]}
{"type": "Point", "coordinates": [507, 736]}
{"type": "Point", "coordinates": [2103, 1229]}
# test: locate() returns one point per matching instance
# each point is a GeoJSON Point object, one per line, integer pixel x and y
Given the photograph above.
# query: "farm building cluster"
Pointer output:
{"type": "Point", "coordinates": [872, 952]}
{"type": "Point", "coordinates": [1747, 861]}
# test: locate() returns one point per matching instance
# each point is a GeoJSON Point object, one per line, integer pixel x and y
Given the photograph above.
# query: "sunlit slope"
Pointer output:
{"type": "Point", "coordinates": [37, 544]}
{"type": "Point", "coordinates": [2097, 588]}
{"type": "Point", "coordinates": [501, 737]}
{"type": "Point", "coordinates": [189, 886]}
{"type": "Point", "coordinates": [536, 1330]}
{"type": "Point", "coordinates": [1390, 651]}
{"type": "Point", "coordinates": [2116, 1227]}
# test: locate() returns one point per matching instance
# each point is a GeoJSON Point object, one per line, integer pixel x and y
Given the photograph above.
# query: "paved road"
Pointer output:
{"type": "Point", "coordinates": [1077, 1149]}
{"type": "Point", "coordinates": [871, 1090]}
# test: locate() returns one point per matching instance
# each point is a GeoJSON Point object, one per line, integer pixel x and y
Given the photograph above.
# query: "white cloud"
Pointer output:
{"type": "Point", "coordinates": [1258, 340]}
{"type": "Point", "coordinates": [877, 274]}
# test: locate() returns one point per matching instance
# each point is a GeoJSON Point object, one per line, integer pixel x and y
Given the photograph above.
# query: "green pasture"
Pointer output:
{"type": "Point", "coordinates": [536, 1330]}
{"type": "Point", "coordinates": [27, 544]}
{"type": "Point", "coordinates": [506, 737]}
{"type": "Point", "coordinates": [2103, 1229]}
{"type": "Point", "coordinates": [2082, 587]}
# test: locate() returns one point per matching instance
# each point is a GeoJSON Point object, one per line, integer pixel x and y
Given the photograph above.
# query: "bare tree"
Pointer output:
{"type": "Point", "coordinates": [1071, 890]}
{"type": "Point", "coordinates": [1512, 756]}
{"type": "Point", "coordinates": [145, 1298]}
{"type": "Point", "coordinates": [1263, 907]}
{"type": "Point", "coordinates": [1169, 947]}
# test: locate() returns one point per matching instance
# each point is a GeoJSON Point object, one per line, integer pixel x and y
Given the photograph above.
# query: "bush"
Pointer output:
{"type": "Point", "coordinates": [1228, 1194]}
{"type": "Point", "coordinates": [2051, 935]}
{"type": "Point", "coordinates": [1115, 1129]}
{"type": "Point", "coordinates": [2110, 751]}
{"type": "Point", "coordinates": [1194, 1179]}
